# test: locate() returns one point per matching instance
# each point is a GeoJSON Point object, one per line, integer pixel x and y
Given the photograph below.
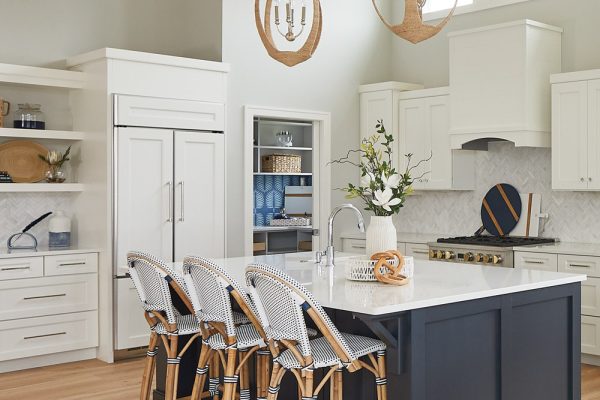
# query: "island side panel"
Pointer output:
{"type": "Point", "coordinates": [519, 346]}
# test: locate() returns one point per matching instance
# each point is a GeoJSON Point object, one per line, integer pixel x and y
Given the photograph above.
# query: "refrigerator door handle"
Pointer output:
{"type": "Point", "coordinates": [170, 186]}
{"type": "Point", "coordinates": [182, 215]}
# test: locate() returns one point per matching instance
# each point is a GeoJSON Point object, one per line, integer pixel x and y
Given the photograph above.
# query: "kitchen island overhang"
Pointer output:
{"type": "Point", "coordinates": [455, 332]}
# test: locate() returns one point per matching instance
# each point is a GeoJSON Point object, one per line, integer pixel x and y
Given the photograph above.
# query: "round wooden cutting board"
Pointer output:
{"type": "Point", "coordinates": [20, 158]}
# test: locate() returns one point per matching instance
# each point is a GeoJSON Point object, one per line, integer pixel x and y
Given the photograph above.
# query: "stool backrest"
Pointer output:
{"type": "Point", "coordinates": [283, 301]}
{"type": "Point", "coordinates": [152, 279]}
{"type": "Point", "coordinates": [211, 290]}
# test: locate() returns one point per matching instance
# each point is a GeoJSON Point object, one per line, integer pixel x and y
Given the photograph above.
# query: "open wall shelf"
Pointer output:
{"type": "Point", "coordinates": [13, 133]}
{"type": "Point", "coordinates": [26, 75]}
{"type": "Point", "coordinates": [40, 187]}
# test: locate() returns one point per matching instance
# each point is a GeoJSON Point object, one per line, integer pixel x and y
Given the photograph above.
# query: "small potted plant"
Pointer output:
{"type": "Point", "coordinates": [55, 161]}
{"type": "Point", "coordinates": [381, 187]}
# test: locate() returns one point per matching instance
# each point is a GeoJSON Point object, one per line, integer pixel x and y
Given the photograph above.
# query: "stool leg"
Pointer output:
{"type": "Point", "coordinates": [337, 384]}
{"type": "Point", "coordinates": [263, 372]}
{"type": "Point", "coordinates": [229, 378]}
{"type": "Point", "coordinates": [307, 392]}
{"type": "Point", "coordinates": [244, 378]}
{"type": "Point", "coordinates": [214, 372]}
{"type": "Point", "coordinates": [382, 379]}
{"type": "Point", "coordinates": [149, 367]}
{"type": "Point", "coordinates": [172, 361]}
{"type": "Point", "coordinates": [275, 382]}
{"type": "Point", "coordinates": [201, 372]}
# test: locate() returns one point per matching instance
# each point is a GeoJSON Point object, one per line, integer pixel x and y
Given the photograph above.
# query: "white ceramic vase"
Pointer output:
{"type": "Point", "coordinates": [381, 235]}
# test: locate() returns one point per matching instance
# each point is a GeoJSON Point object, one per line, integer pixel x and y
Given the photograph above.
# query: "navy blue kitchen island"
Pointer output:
{"type": "Point", "coordinates": [455, 332]}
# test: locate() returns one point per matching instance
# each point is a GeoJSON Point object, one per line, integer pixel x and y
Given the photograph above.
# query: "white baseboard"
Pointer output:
{"type": "Point", "coordinates": [48, 359]}
{"type": "Point", "coordinates": [590, 359]}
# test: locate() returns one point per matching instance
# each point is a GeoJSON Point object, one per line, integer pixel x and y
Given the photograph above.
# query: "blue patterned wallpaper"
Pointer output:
{"type": "Point", "coordinates": [269, 195]}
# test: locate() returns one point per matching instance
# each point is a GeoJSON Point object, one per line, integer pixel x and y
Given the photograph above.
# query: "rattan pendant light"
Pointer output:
{"type": "Point", "coordinates": [289, 58]}
{"type": "Point", "coordinates": [412, 27]}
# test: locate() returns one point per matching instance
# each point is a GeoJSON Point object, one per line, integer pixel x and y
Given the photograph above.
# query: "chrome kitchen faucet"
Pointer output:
{"type": "Point", "coordinates": [329, 252]}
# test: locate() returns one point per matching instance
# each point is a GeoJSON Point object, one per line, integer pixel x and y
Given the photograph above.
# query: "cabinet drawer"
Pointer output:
{"type": "Point", "coordinates": [590, 335]}
{"type": "Point", "coordinates": [69, 264]}
{"type": "Point", "coordinates": [45, 335]}
{"type": "Point", "coordinates": [418, 251]}
{"type": "Point", "coordinates": [539, 261]}
{"type": "Point", "coordinates": [354, 246]}
{"type": "Point", "coordinates": [579, 265]}
{"type": "Point", "coordinates": [359, 246]}
{"type": "Point", "coordinates": [46, 296]}
{"type": "Point", "coordinates": [18, 268]}
{"type": "Point", "coordinates": [590, 297]}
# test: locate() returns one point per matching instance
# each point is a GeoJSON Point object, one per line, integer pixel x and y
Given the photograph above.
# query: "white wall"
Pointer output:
{"type": "Point", "coordinates": [427, 62]}
{"type": "Point", "coordinates": [354, 49]}
{"type": "Point", "coordinates": [45, 32]}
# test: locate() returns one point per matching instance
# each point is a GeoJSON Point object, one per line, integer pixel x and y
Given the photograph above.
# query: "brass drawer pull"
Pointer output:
{"type": "Point", "coordinates": [358, 246]}
{"type": "Point", "coordinates": [45, 297]}
{"type": "Point", "coordinates": [14, 268]}
{"type": "Point", "coordinates": [421, 252]}
{"type": "Point", "coordinates": [534, 262]}
{"type": "Point", "coordinates": [71, 264]}
{"type": "Point", "coordinates": [43, 336]}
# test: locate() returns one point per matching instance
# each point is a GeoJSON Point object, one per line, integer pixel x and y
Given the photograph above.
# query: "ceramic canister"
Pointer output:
{"type": "Point", "coordinates": [59, 227]}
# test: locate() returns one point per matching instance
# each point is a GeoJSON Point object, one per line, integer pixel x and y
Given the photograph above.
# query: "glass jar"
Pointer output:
{"type": "Point", "coordinates": [29, 116]}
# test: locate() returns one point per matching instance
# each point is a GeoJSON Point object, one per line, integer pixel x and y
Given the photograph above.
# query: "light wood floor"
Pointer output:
{"type": "Point", "coordinates": [120, 381]}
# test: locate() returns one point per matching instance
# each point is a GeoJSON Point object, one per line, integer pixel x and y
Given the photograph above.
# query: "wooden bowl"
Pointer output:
{"type": "Point", "coordinates": [20, 158]}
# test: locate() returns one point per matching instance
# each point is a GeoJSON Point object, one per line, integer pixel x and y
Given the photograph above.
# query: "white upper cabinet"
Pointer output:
{"type": "Point", "coordinates": [499, 83]}
{"type": "Point", "coordinates": [423, 119]}
{"type": "Point", "coordinates": [377, 103]}
{"type": "Point", "coordinates": [576, 131]}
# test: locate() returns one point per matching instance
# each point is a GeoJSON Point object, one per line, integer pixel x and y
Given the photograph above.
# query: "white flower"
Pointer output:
{"type": "Point", "coordinates": [384, 199]}
{"type": "Point", "coordinates": [391, 182]}
{"type": "Point", "coordinates": [53, 157]}
{"type": "Point", "coordinates": [365, 181]}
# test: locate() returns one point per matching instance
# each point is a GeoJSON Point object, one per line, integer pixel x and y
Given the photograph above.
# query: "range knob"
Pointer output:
{"type": "Point", "coordinates": [479, 257]}
{"type": "Point", "coordinates": [432, 254]}
{"type": "Point", "coordinates": [449, 255]}
{"type": "Point", "coordinates": [488, 258]}
{"type": "Point", "coordinates": [439, 254]}
{"type": "Point", "coordinates": [468, 257]}
{"type": "Point", "coordinates": [497, 259]}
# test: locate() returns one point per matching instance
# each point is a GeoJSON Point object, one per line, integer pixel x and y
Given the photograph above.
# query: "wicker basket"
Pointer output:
{"type": "Point", "coordinates": [363, 269]}
{"type": "Point", "coordinates": [289, 163]}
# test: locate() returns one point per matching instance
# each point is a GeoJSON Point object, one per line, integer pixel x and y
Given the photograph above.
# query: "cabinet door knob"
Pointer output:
{"type": "Point", "coordinates": [590, 179]}
{"type": "Point", "coordinates": [582, 179]}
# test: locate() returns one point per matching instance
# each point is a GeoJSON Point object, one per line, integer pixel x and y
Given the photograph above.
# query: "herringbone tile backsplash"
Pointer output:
{"type": "Point", "coordinates": [574, 216]}
{"type": "Point", "coordinates": [19, 209]}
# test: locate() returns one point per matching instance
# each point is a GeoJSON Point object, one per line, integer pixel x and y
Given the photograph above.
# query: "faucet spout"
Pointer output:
{"type": "Point", "coordinates": [329, 253]}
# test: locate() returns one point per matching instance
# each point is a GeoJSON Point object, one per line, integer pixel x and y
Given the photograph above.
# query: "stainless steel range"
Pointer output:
{"type": "Point", "coordinates": [496, 251]}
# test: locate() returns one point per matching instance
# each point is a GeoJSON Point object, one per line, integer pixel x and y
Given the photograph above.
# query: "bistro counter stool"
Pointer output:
{"type": "Point", "coordinates": [154, 281]}
{"type": "Point", "coordinates": [282, 302]}
{"type": "Point", "coordinates": [212, 291]}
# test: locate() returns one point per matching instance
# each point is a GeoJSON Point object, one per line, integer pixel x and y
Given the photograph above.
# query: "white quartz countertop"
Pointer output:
{"type": "Point", "coordinates": [433, 284]}
{"type": "Point", "coordinates": [403, 237]}
{"type": "Point", "coordinates": [44, 251]}
{"type": "Point", "coordinates": [571, 248]}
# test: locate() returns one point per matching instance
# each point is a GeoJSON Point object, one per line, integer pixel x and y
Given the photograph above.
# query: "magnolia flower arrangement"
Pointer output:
{"type": "Point", "coordinates": [381, 187]}
{"type": "Point", "coordinates": [55, 161]}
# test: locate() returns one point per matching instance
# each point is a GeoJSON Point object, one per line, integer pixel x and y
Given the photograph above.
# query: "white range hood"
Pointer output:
{"type": "Point", "coordinates": [500, 84]}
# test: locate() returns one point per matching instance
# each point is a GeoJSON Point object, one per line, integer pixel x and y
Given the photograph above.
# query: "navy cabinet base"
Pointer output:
{"type": "Point", "coordinates": [521, 346]}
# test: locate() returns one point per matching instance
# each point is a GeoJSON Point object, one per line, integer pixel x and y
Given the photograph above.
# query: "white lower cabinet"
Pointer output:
{"type": "Point", "coordinates": [590, 335]}
{"type": "Point", "coordinates": [590, 297]}
{"type": "Point", "coordinates": [132, 328]}
{"type": "Point", "coordinates": [419, 251]}
{"type": "Point", "coordinates": [537, 261]}
{"type": "Point", "coordinates": [48, 304]}
{"type": "Point", "coordinates": [29, 337]}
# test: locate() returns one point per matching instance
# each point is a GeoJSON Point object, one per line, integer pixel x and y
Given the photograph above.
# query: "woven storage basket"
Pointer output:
{"type": "Point", "coordinates": [290, 163]}
{"type": "Point", "coordinates": [362, 269]}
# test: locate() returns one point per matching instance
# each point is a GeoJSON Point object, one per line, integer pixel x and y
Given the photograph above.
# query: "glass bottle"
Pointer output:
{"type": "Point", "coordinates": [29, 116]}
